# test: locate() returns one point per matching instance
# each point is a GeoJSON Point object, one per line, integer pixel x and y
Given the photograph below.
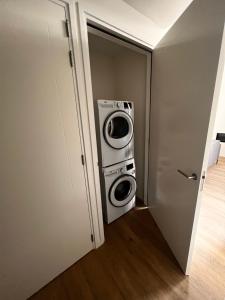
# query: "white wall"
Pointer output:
{"type": "Point", "coordinates": [220, 116]}
{"type": "Point", "coordinates": [103, 79]}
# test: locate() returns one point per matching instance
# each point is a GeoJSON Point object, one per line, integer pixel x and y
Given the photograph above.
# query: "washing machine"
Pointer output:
{"type": "Point", "coordinates": [118, 189]}
{"type": "Point", "coordinates": [115, 131]}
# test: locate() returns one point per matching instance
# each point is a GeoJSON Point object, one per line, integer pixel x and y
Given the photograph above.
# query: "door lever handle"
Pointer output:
{"type": "Point", "coordinates": [193, 176]}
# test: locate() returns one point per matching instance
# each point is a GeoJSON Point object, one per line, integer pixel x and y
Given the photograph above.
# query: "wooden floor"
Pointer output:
{"type": "Point", "coordinates": [135, 262]}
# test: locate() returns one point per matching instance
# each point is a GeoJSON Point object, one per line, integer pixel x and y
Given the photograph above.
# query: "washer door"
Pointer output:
{"type": "Point", "coordinates": [118, 130]}
{"type": "Point", "coordinates": [122, 190]}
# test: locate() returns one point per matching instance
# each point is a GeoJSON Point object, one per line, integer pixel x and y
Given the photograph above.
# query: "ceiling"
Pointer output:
{"type": "Point", "coordinates": [163, 13]}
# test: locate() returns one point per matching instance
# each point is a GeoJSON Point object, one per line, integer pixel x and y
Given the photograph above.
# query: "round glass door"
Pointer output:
{"type": "Point", "coordinates": [122, 190]}
{"type": "Point", "coordinates": [118, 129]}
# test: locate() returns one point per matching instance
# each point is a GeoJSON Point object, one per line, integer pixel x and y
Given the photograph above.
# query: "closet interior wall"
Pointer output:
{"type": "Point", "coordinates": [119, 73]}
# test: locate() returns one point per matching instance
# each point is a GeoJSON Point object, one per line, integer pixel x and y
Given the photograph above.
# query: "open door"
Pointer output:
{"type": "Point", "coordinates": [185, 65]}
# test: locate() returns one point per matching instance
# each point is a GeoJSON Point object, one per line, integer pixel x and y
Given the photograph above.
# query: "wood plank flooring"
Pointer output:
{"type": "Point", "coordinates": [135, 262]}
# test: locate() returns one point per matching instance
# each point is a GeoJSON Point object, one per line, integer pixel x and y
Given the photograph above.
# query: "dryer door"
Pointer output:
{"type": "Point", "coordinates": [122, 190]}
{"type": "Point", "coordinates": [118, 129]}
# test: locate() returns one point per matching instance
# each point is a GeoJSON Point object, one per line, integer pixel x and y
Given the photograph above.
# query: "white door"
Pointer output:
{"type": "Point", "coordinates": [183, 82]}
{"type": "Point", "coordinates": [44, 218]}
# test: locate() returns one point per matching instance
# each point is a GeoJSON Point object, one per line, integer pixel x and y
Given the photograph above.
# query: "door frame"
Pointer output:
{"type": "Point", "coordinates": [79, 23]}
{"type": "Point", "coordinates": [78, 18]}
{"type": "Point", "coordinates": [148, 55]}
{"type": "Point", "coordinates": [96, 222]}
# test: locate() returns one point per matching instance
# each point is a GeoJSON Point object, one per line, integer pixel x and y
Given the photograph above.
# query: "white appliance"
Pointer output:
{"type": "Point", "coordinates": [118, 187]}
{"type": "Point", "coordinates": [115, 132]}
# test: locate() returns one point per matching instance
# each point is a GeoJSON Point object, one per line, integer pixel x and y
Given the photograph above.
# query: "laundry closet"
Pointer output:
{"type": "Point", "coordinates": [120, 71]}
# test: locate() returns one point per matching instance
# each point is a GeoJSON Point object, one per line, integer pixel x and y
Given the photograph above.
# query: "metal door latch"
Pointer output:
{"type": "Point", "coordinates": [193, 176]}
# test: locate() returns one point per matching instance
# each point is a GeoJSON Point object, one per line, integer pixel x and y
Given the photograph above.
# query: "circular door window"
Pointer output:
{"type": "Point", "coordinates": [122, 190]}
{"type": "Point", "coordinates": [118, 129]}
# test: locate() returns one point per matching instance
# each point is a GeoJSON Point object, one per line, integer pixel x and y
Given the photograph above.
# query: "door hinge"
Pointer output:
{"type": "Point", "coordinates": [71, 58]}
{"type": "Point", "coordinates": [92, 238]}
{"type": "Point", "coordinates": [67, 28]}
{"type": "Point", "coordinates": [82, 159]}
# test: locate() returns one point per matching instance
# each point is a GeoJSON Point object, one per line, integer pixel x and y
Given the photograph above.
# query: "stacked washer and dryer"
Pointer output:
{"type": "Point", "coordinates": [116, 157]}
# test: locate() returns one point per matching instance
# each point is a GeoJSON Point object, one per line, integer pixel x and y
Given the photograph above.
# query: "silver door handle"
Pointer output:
{"type": "Point", "coordinates": [193, 176]}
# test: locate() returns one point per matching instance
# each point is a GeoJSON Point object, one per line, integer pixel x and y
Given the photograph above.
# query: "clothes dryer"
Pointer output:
{"type": "Point", "coordinates": [115, 131]}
